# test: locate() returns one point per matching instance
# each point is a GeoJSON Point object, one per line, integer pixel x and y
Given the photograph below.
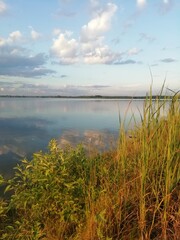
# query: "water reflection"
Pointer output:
{"type": "Point", "coordinates": [90, 139]}
{"type": "Point", "coordinates": [28, 124]}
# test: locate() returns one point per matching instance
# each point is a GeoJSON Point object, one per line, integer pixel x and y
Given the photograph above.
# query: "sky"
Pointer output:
{"type": "Point", "coordinates": [89, 47]}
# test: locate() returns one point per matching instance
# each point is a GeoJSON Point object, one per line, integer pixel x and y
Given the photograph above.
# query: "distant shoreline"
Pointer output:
{"type": "Point", "coordinates": [89, 97]}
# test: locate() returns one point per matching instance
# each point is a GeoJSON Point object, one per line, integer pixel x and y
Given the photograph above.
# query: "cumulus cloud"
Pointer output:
{"type": "Point", "coordinates": [99, 24]}
{"type": "Point", "coordinates": [94, 50]}
{"type": "Point", "coordinates": [90, 47]}
{"type": "Point", "coordinates": [101, 55]}
{"type": "Point", "coordinates": [3, 7]}
{"type": "Point", "coordinates": [69, 51]}
{"type": "Point", "coordinates": [13, 38]}
{"type": "Point", "coordinates": [65, 48]}
{"type": "Point", "coordinates": [168, 60]}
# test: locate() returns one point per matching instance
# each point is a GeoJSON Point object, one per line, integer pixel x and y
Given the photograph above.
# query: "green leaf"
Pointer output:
{"type": "Point", "coordinates": [8, 188]}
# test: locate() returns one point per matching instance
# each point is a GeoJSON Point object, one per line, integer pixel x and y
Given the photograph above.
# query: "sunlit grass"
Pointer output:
{"type": "Point", "coordinates": [129, 193]}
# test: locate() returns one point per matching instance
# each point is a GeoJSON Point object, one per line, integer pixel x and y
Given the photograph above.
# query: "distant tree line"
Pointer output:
{"type": "Point", "coordinates": [90, 97]}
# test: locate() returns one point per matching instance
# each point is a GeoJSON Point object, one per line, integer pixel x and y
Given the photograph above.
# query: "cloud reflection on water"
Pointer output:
{"type": "Point", "coordinates": [90, 139]}
{"type": "Point", "coordinates": [27, 125]}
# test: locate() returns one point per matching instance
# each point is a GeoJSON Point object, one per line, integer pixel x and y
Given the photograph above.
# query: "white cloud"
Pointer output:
{"type": "Point", "coordinates": [65, 48]}
{"type": "Point", "coordinates": [13, 38]}
{"type": "Point", "coordinates": [34, 34]}
{"type": "Point", "coordinates": [69, 51]}
{"type": "Point", "coordinates": [90, 47]}
{"type": "Point", "coordinates": [2, 41]}
{"type": "Point", "coordinates": [99, 24]}
{"type": "Point", "coordinates": [141, 3]}
{"type": "Point", "coordinates": [101, 54]}
{"type": "Point", "coordinates": [93, 48]}
{"type": "Point", "coordinates": [3, 7]}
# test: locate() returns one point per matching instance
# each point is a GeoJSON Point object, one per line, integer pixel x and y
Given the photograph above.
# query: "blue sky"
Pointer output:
{"type": "Point", "coordinates": [75, 47]}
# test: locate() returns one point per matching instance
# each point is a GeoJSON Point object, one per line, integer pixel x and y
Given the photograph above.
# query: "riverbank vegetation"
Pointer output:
{"type": "Point", "coordinates": [132, 192]}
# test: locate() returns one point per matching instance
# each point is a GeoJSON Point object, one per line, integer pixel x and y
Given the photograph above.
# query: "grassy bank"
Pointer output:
{"type": "Point", "coordinates": [132, 192]}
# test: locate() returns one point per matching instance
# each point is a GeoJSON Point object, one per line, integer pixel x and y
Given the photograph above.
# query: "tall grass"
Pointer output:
{"type": "Point", "coordinates": [132, 192]}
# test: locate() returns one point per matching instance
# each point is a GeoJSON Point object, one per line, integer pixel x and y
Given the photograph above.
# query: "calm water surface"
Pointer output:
{"type": "Point", "coordinates": [28, 124]}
